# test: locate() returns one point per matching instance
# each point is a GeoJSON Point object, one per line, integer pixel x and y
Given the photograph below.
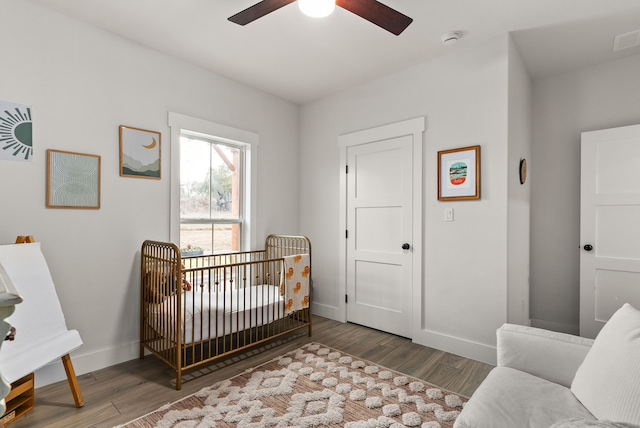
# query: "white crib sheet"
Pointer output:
{"type": "Point", "coordinates": [210, 315]}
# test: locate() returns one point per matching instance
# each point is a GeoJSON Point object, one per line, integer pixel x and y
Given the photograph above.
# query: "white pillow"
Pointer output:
{"type": "Point", "coordinates": [608, 381]}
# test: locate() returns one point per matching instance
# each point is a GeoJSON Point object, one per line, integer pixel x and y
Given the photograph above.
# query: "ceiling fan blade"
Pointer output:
{"type": "Point", "coordinates": [258, 10]}
{"type": "Point", "coordinates": [381, 15]}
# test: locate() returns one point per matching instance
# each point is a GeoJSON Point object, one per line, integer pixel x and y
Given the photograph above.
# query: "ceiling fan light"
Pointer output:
{"type": "Point", "coordinates": [317, 8]}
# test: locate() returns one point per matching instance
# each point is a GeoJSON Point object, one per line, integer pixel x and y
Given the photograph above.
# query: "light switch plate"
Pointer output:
{"type": "Point", "coordinates": [448, 214]}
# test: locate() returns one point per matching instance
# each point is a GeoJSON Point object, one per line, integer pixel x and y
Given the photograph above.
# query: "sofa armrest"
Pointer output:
{"type": "Point", "coordinates": [547, 354]}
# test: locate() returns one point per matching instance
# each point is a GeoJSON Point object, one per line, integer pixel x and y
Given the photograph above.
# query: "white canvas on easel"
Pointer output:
{"type": "Point", "coordinates": [41, 331]}
{"type": "Point", "coordinates": [9, 298]}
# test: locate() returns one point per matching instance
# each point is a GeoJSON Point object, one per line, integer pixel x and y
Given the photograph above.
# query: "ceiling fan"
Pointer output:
{"type": "Point", "coordinates": [373, 11]}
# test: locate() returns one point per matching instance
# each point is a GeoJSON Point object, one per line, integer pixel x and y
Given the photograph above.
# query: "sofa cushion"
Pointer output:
{"type": "Point", "coordinates": [608, 381]}
{"type": "Point", "coordinates": [547, 354]}
{"type": "Point", "coordinates": [512, 398]}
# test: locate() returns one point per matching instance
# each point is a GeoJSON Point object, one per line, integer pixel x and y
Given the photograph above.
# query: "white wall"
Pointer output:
{"type": "Point", "coordinates": [82, 84]}
{"type": "Point", "coordinates": [597, 97]}
{"type": "Point", "coordinates": [464, 97]}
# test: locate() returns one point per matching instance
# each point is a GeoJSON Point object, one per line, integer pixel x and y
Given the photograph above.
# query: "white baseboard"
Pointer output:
{"type": "Point", "coordinates": [458, 346]}
{"type": "Point", "coordinates": [455, 345]}
{"type": "Point", "coordinates": [556, 326]}
{"type": "Point", "coordinates": [326, 311]}
{"type": "Point", "coordinates": [86, 363]}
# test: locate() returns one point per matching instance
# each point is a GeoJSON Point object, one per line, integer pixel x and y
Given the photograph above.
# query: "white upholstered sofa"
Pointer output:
{"type": "Point", "coordinates": [547, 379]}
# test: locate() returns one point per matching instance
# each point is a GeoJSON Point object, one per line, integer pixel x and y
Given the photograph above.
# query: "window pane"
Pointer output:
{"type": "Point", "coordinates": [210, 195]}
{"type": "Point", "coordinates": [194, 178]}
{"type": "Point", "coordinates": [210, 239]}
{"type": "Point", "coordinates": [224, 177]}
{"type": "Point", "coordinates": [209, 180]}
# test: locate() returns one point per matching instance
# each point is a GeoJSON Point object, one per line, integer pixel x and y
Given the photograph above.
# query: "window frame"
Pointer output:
{"type": "Point", "coordinates": [199, 128]}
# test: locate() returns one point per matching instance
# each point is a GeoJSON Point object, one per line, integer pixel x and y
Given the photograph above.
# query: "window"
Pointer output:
{"type": "Point", "coordinates": [213, 189]}
{"type": "Point", "coordinates": [211, 193]}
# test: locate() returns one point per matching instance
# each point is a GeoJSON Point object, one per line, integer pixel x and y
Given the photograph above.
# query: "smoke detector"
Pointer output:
{"type": "Point", "coordinates": [450, 38]}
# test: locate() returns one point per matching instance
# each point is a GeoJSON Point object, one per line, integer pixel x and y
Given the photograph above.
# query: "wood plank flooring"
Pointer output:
{"type": "Point", "coordinates": [123, 392]}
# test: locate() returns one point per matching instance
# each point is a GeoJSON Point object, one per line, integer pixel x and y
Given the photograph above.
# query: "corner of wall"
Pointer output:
{"type": "Point", "coordinates": [520, 113]}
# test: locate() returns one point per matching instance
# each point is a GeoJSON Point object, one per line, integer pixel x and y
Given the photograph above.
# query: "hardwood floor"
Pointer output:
{"type": "Point", "coordinates": [123, 392]}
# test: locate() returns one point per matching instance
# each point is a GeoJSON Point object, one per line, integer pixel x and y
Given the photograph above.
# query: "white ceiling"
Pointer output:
{"type": "Point", "coordinates": [302, 59]}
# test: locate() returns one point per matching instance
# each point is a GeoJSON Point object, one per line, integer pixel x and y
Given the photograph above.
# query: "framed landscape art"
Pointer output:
{"type": "Point", "coordinates": [459, 174]}
{"type": "Point", "coordinates": [139, 153]}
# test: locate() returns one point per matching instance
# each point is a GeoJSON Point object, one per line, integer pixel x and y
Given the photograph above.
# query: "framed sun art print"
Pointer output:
{"type": "Point", "coordinates": [459, 174]}
{"type": "Point", "coordinates": [139, 153]}
{"type": "Point", "coordinates": [15, 132]}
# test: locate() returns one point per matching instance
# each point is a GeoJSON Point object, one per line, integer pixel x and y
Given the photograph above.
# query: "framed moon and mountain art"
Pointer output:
{"type": "Point", "coordinates": [139, 153]}
{"type": "Point", "coordinates": [459, 174]}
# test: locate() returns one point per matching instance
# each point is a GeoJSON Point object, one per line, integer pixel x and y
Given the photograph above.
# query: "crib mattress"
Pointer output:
{"type": "Point", "coordinates": [207, 316]}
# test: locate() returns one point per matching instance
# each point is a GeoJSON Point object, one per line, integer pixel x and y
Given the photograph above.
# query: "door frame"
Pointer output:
{"type": "Point", "coordinates": [412, 127]}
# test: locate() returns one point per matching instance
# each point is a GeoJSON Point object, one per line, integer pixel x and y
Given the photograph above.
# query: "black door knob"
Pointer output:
{"type": "Point", "coordinates": [588, 247]}
{"type": "Point", "coordinates": [406, 246]}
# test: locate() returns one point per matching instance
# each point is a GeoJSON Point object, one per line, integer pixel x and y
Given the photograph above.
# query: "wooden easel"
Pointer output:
{"type": "Point", "coordinates": [24, 239]}
{"type": "Point", "coordinates": [66, 359]}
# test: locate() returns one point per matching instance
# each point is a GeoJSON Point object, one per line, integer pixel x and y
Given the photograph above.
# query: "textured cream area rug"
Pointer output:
{"type": "Point", "coordinates": [310, 387]}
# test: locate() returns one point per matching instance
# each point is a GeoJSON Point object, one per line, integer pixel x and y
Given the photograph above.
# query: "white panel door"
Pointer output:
{"type": "Point", "coordinates": [379, 223]}
{"type": "Point", "coordinates": [609, 225]}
